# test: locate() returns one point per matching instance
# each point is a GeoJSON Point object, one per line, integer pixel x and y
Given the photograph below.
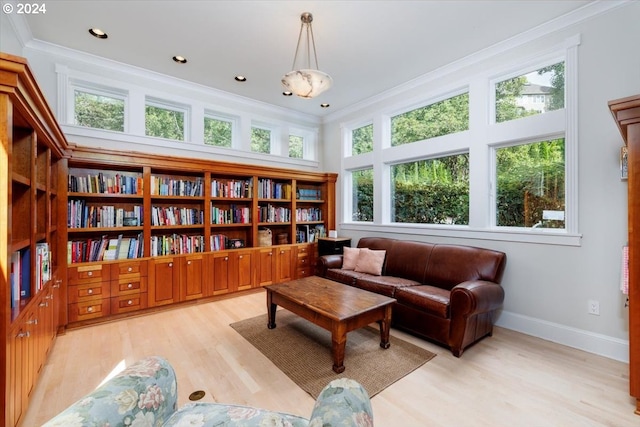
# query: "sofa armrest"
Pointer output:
{"type": "Point", "coordinates": [326, 262]}
{"type": "Point", "coordinates": [145, 393]}
{"type": "Point", "coordinates": [475, 296]}
{"type": "Point", "coordinates": [343, 402]}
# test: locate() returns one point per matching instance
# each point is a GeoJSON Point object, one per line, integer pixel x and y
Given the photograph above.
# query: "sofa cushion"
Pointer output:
{"type": "Point", "coordinates": [347, 277]}
{"type": "Point", "coordinates": [453, 264]}
{"type": "Point", "coordinates": [384, 285]}
{"type": "Point", "coordinates": [349, 258]}
{"type": "Point", "coordinates": [431, 299]}
{"type": "Point", "coordinates": [370, 262]}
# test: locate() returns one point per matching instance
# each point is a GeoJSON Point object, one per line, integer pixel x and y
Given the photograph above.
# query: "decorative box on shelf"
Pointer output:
{"type": "Point", "coordinates": [332, 245]}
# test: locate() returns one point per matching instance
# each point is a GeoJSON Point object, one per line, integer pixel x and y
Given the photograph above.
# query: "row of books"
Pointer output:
{"type": "Point", "coordinates": [217, 242]}
{"type": "Point", "coordinates": [232, 188]}
{"type": "Point", "coordinates": [233, 215]}
{"type": "Point", "coordinates": [309, 234]}
{"type": "Point", "coordinates": [20, 272]}
{"type": "Point", "coordinates": [308, 214]}
{"type": "Point", "coordinates": [165, 186]}
{"type": "Point", "coordinates": [176, 244]}
{"type": "Point", "coordinates": [270, 189]}
{"type": "Point", "coordinates": [271, 213]}
{"type": "Point", "coordinates": [103, 183]}
{"type": "Point", "coordinates": [104, 249]}
{"type": "Point", "coordinates": [175, 216]}
{"type": "Point", "coordinates": [81, 215]}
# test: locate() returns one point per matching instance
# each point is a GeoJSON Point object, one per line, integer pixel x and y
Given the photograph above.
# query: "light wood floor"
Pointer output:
{"type": "Point", "coordinates": [509, 379]}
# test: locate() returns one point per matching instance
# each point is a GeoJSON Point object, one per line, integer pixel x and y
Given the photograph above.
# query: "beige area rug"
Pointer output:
{"type": "Point", "coordinates": [302, 350]}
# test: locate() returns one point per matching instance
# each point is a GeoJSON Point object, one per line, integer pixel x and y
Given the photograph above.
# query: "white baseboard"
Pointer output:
{"type": "Point", "coordinates": [599, 344]}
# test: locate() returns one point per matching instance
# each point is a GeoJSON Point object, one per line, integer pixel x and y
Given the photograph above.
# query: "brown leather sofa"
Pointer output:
{"type": "Point", "coordinates": [448, 294]}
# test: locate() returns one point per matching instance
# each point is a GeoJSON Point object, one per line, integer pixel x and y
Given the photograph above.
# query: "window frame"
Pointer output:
{"type": "Point", "coordinates": [169, 106]}
{"type": "Point", "coordinates": [98, 90]}
{"type": "Point", "coordinates": [222, 118]}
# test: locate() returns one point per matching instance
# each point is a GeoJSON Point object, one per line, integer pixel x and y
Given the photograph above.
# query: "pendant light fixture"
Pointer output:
{"type": "Point", "coordinates": [305, 81]}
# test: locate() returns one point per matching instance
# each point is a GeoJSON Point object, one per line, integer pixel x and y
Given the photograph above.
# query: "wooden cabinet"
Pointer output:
{"type": "Point", "coordinates": [129, 286]}
{"type": "Point", "coordinates": [197, 276]}
{"type": "Point", "coordinates": [164, 281]}
{"type": "Point", "coordinates": [89, 292]}
{"type": "Point", "coordinates": [284, 263]}
{"type": "Point", "coordinates": [305, 259]}
{"type": "Point", "coordinates": [33, 237]}
{"type": "Point", "coordinates": [626, 113]}
{"type": "Point", "coordinates": [266, 271]}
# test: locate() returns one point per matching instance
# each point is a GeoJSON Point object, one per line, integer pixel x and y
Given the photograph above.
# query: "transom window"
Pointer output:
{"type": "Point", "coordinates": [362, 140]}
{"type": "Point", "coordinates": [296, 146]}
{"type": "Point", "coordinates": [218, 131]}
{"type": "Point", "coordinates": [260, 140]}
{"type": "Point", "coordinates": [98, 110]}
{"type": "Point", "coordinates": [164, 121]}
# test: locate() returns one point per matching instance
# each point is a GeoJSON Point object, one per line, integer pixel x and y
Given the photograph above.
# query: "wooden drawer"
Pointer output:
{"type": "Point", "coordinates": [127, 268]}
{"type": "Point", "coordinates": [128, 285]}
{"type": "Point", "coordinates": [88, 273]}
{"type": "Point", "coordinates": [304, 272]}
{"type": "Point", "coordinates": [86, 310]}
{"type": "Point", "coordinates": [89, 291]}
{"type": "Point", "coordinates": [126, 303]}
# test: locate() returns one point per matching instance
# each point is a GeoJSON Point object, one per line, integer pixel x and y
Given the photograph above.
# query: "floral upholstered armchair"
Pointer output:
{"type": "Point", "coordinates": [145, 395]}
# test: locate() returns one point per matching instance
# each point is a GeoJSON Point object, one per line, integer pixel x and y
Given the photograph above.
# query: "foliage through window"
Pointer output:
{"type": "Point", "coordinates": [362, 196]}
{"type": "Point", "coordinates": [433, 191]}
{"type": "Point", "coordinates": [163, 122]}
{"type": "Point", "coordinates": [531, 185]}
{"type": "Point", "coordinates": [98, 111]}
{"type": "Point", "coordinates": [218, 132]}
{"type": "Point", "coordinates": [296, 144]}
{"type": "Point", "coordinates": [442, 118]}
{"type": "Point", "coordinates": [529, 94]}
{"type": "Point", "coordinates": [260, 140]}
{"type": "Point", "coordinates": [362, 140]}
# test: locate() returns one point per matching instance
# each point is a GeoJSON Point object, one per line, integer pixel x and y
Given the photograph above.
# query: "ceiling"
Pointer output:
{"type": "Point", "coordinates": [368, 47]}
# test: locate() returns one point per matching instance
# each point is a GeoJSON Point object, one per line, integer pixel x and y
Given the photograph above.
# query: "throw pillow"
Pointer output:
{"type": "Point", "coordinates": [370, 261]}
{"type": "Point", "coordinates": [349, 257]}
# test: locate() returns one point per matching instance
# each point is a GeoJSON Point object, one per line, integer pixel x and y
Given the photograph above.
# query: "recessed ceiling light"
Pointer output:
{"type": "Point", "coordinates": [325, 105]}
{"type": "Point", "coordinates": [240, 78]}
{"type": "Point", "coordinates": [97, 32]}
{"type": "Point", "coordinates": [180, 59]}
{"type": "Point", "coordinates": [287, 93]}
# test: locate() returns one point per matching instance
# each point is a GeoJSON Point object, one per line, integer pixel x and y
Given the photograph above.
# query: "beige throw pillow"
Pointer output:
{"type": "Point", "coordinates": [349, 257]}
{"type": "Point", "coordinates": [370, 261]}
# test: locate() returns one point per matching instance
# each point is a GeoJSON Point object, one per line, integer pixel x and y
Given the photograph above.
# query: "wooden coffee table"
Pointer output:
{"type": "Point", "coordinates": [333, 306]}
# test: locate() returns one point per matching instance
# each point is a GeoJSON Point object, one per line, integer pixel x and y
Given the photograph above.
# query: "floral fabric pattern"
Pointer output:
{"type": "Point", "coordinates": [145, 395]}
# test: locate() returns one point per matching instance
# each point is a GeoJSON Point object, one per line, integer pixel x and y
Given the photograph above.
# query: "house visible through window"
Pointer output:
{"type": "Point", "coordinates": [98, 111]}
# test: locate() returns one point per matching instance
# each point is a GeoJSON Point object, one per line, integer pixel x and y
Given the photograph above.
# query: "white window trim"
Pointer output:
{"type": "Point", "coordinates": [482, 168]}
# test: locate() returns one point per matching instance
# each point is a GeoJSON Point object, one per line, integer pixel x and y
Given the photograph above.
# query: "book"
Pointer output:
{"type": "Point", "coordinates": [112, 250]}
{"type": "Point", "coordinates": [25, 274]}
{"type": "Point", "coordinates": [123, 250]}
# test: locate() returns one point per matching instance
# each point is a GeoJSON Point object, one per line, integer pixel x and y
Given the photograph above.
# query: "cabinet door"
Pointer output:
{"type": "Point", "coordinates": [266, 267]}
{"type": "Point", "coordinates": [284, 263]}
{"type": "Point", "coordinates": [193, 283]}
{"type": "Point", "coordinates": [244, 270]}
{"type": "Point", "coordinates": [221, 283]}
{"type": "Point", "coordinates": [164, 281]}
{"type": "Point", "coordinates": [17, 366]}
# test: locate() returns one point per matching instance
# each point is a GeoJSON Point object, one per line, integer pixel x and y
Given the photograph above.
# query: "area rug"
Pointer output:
{"type": "Point", "coordinates": [302, 350]}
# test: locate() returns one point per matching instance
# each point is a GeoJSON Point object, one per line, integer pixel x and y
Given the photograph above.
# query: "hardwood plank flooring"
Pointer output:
{"type": "Point", "coordinates": [508, 379]}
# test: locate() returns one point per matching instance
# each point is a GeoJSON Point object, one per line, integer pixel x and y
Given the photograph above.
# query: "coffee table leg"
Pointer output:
{"type": "Point", "coordinates": [338, 344]}
{"type": "Point", "coordinates": [271, 311]}
{"type": "Point", "coordinates": [384, 328]}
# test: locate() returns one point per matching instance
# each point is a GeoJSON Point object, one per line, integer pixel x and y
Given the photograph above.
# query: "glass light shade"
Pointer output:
{"type": "Point", "coordinates": [307, 83]}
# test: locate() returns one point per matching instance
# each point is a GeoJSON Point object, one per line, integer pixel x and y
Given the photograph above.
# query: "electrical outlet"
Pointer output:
{"type": "Point", "coordinates": [593, 307]}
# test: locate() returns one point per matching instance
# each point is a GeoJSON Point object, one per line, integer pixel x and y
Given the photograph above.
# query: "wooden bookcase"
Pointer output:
{"type": "Point", "coordinates": [626, 113]}
{"type": "Point", "coordinates": [31, 279]}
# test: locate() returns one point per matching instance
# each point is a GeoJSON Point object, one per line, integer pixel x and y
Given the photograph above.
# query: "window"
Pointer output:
{"type": "Point", "coordinates": [165, 121]}
{"type": "Point", "coordinates": [97, 110]}
{"type": "Point", "coordinates": [260, 140]}
{"type": "Point", "coordinates": [296, 145]}
{"type": "Point", "coordinates": [362, 140]}
{"type": "Point", "coordinates": [442, 118]}
{"type": "Point", "coordinates": [531, 185]}
{"type": "Point", "coordinates": [529, 94]}
{"type": "Point", "coordinates": [362, 196]}
{"type": "Point", "coordinates": [218, 132]}
{"type": "Point", "coordinates": [434, 191]}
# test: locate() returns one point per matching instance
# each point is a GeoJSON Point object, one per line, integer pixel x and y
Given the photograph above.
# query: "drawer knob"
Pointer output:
{"type": "Point", "coordinates": [188, 262]}
{"type": "Point", "coordinates": [23, 334]}
{"type": "Point", "coordinates": [240, 257]}
{"type": "Point", "coordinates": [57, 283]}
{"type": "Point", "coordinates": [90, 273]}
{"type": "Point", "coordinates": [89, 291]}
{"type": "Point", "coordinates": [129, 269]}
{"type": "Point", "coordinates": [170, 264]}
{"type": "Point", "coordinates": [226, 258]}
{"type": "Point", "coordinates": [90, 309]}
{"type": "Point", "coordinates": [130, 285]}
{"type": "Point", "coordinates": [32, 322]}
{"type": "Point", "coordinates": [44, 304]}
{"type": "Point", "coordinates": [129, 302]}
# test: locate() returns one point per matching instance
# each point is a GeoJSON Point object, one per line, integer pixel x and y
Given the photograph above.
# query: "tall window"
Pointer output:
{"type": "Point", "coordinates": [362, 196]}
{"type": "Point", "coordinates": [100, 111]}
{"type": "Point", "coordinates": [434, 191]}
{"type": "Point", "coordinates": [218, 132]}
{"type": "Point", "coordinates": [362, 140]}
{"type": "Point", "coordinates": [531, 185]}
{"type": "Point", "coordinates": [164, 121]}
{"type": "Point", "coordinates": [442, 118]}
{"type": "Point", "coordinates": [260, 140]}
{"type": "Point", "coordinates": [529, 94]}
{"type": "Point", "coordinates": [296, 146]}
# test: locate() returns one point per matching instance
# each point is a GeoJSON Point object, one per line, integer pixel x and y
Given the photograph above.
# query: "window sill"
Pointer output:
{"type": "Point", "coordinates": [523, 235]}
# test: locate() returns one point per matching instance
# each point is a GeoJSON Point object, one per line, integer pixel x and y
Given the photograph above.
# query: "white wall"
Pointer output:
{"type": "Point", "coordinates": [9, 41]}
{"type": "Point", "coordinates": [548, 286]}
